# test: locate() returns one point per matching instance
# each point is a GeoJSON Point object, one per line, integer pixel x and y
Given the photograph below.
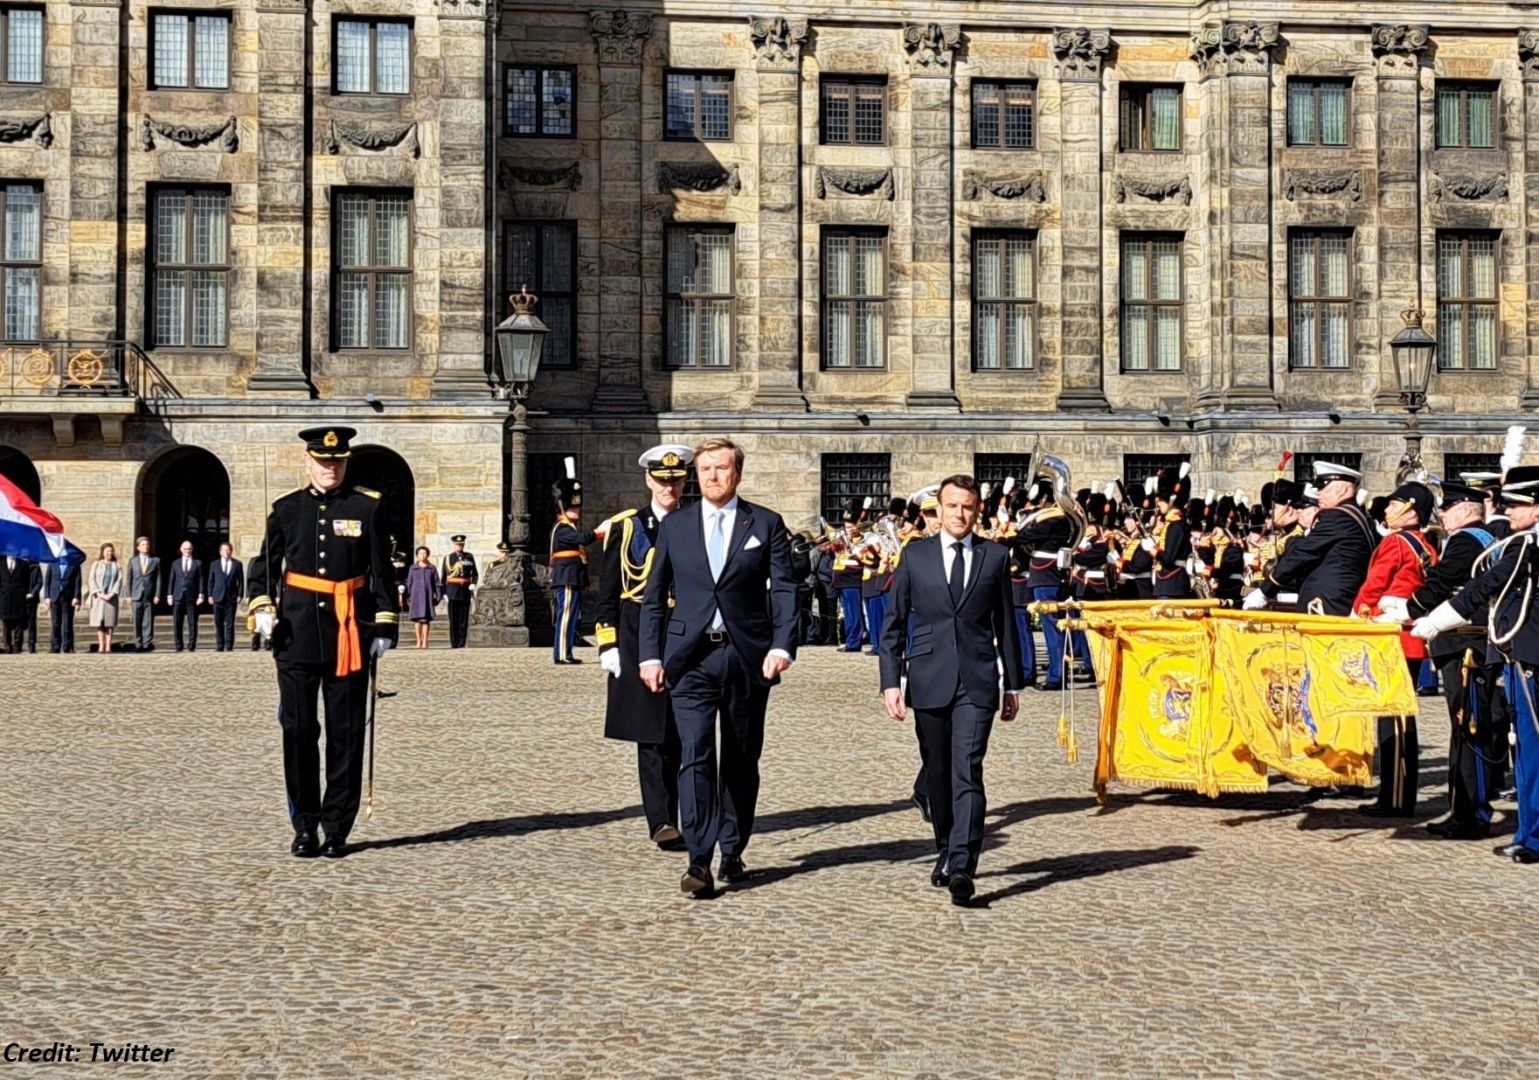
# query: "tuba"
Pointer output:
{"type": "Point", "coordinates": [1051, 470]}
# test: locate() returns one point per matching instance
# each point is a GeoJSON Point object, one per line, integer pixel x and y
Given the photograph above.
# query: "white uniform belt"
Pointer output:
{"type": "Point", "coordinates": [1145, 576]}
{"type": "Point", "coordinates": [1044, 554]}
{"type": "Point", "coordinates": [1095, 575]}
{"type": "Point", "coordinates": [1287, 598]}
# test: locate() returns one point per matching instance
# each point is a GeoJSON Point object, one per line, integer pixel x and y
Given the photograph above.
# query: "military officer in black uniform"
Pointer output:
{"type": "Point", "coordinates": [1327, 565]}
{"type": "Point", "coordinates": [327, 550]}
{"type": "Point", "coordinates": [1172, 540]}
{"type": "Point", "coordinates": [460, 578]}
{"type": "Point", "coordinates": [634, 713]}
{"type": "Point", "coordinates": [568, 564]}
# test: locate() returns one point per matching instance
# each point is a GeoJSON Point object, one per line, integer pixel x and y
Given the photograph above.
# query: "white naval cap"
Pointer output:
{"type": "Point", "coordinates": [1326, 471]}
{"type": "Point", "coordinates": [668, 461]}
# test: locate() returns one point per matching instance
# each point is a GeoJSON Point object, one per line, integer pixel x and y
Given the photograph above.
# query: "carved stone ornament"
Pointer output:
{"type": "Point", "coordinates": [1081, 51]}
{"type": "Point", "coordinates": [853, 181]}
{"type": "Point", "coordinates": [931, 46]}
{"type": "Point", "coordinates": [373, 138]}
{"type": "Point", "coordinates": [620, 36]}
{"type": "Point", "coordinates": [1345, 183]}
{"type": "Point", "coordinates": [1528, 53]}
{"type": "Point", "coordinates": [190, 135]}
{"type": "Point", "coordinates": [698, 176]}
{"type": "Point", "coordinates": [1235, 47]}
{"type": "Point", "coordinates": [38, 128]}
{"type": "Point", "coordinates": [1032, 187]}
{"type": "Point", "coordinates": [777, 41]}
{"type": "Point", "coordinates": [568, 175]}
{"type": "Point", "coordinates": [1488, 188]}
{"type": "Point", "coordinates": [1152, 189]}
{"type": "Point", "coordinates": [1399, 46]}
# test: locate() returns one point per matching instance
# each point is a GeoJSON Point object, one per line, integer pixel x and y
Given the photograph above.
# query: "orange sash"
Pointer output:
{"type": "Point", "coordinates": [349, 648]}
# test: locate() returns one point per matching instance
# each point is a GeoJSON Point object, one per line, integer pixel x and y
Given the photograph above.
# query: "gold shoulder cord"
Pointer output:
{"type": "Point", "coordinates": [635, 575]}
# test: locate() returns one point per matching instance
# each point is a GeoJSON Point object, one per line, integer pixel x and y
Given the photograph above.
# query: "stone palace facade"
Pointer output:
{"type": "Point", "coordinates": [875, 242]}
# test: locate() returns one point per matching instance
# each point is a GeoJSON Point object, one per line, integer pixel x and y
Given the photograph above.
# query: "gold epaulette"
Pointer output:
{"type": "Point", "coordinates": [370, 492]}
{"type": "Point", "coordinates": [260, 602]}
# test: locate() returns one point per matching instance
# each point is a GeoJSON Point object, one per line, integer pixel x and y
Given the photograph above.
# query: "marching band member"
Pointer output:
{"type": "Point", "coordinates": [1326, 566]}
{"type": "Point", "coordinates": [568, 564]}
{"type": "Point", "coordinates": [847, 577]}
{"type": "Point", "coordinates": [1171, 543]}
{"type": "Point", "coordinates": [1042, 539]}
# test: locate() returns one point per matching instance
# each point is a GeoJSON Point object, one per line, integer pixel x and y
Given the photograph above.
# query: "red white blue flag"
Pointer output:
{"type": "Point", "coordinates": [27, 531]}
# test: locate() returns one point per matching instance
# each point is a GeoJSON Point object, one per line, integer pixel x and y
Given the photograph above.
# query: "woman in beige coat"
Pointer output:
{"type": "Point", "coordinates": [106, 586]}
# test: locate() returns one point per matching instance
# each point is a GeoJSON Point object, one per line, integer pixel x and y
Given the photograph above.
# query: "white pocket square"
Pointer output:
{"type": "Point", "coordinates": [753, 542]}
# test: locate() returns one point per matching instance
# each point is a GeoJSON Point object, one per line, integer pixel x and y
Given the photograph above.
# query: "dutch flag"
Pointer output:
{"type": "Point", "coordinates": [27, 531]}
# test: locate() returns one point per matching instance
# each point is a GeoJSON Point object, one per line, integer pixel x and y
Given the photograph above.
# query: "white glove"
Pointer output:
{"type": "Point", "coordinates": [265, 622]}
{"type": "Point", "coordinates": [381, 646]}
{"type": "Point", "coordinates": [1443, 617]}
{"type": "Point", "coordinates": [1255, 600]}
{"type": "Point", "coordinates": [1394, 609]}
{"type": "Point", "coordinates": [1147, 544]}
{"type": "Point", "coordinates": [473, 588]}
{"type": "Point", "coordinates": [601, 530]}
{"type": "Point", "coordinates": [1113, 559]}
{"type": "Point", "coordinates": [1252, 560]}
{"type": "Point", "coordinates": [609, 660]}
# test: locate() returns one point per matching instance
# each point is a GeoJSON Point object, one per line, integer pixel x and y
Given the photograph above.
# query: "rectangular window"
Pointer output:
{"type": "Point", "coordinates": [1137, 468]}
{"type": "Point", "coordinates": [1317, 112]}
{"type": "Point", "coordinates": [992, 469]}
{"type": "Point", "coordinates": [1304, 463]}
{"type": "Point", "coordinates": [854, 111]}
{"type": "Point", "coordinates": [854, 298]}
{"type": "Point", "coordinates": [191, 51]}
{"type": "Point", "coordinates": [543, 255]}
{"type": "Point", "coordinates": [1319, 295]}
{"type": "Point", "coordinates": [1004, 301]}
{"type": "Point", "coordinates": [1456, 465]}
{"type": "Point", "coordinates": [371, 284]}
{"type": "Point", "coordinates": [700, 296]}
{"type": "Point", "coordinates": [1466, 302]}
{"type": "Point", "coordinates": [190, 267]}
{"type": "Point", "coordinates": [699, 106]}
{"type": "Point", "coordinates": [1004, 115]}
{"type": "Point", "coordinates": [21, 45]}
{"type": "Point", "coordinates": [373, 56]}
{"type": "Point", "coordinates": [1151, 117]}
{"type": "Point", "coordinates": [854, 477]}
{"type": "Point", "coordinates": [1466, 114]}
{"type": "Point", "coordinates": [539, 102]}
{"type": "Point", "coordinates": [1151, 302]}
{"type": "Point", "coordinates": [21, 260]}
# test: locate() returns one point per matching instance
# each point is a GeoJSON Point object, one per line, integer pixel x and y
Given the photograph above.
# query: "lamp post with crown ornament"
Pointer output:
{"type": "Point", "coordinates": [1413, 350]}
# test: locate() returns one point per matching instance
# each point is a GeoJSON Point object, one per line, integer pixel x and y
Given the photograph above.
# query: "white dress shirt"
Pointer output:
{"type": "Point", "coordinates": [948, 555]}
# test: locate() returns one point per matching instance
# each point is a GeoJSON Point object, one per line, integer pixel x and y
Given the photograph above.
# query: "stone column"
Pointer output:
{"type": "Point", "coordinates": [1081, 52]}
{"type": "Point", "coordinates": [1528, 53]}
{"type": "Point", "coordinates": [777, 45]}
{"type": "Point", "coordinates": [95, 303]}
{"type": "Point", "coordinates": [1236, 59]}
{"type": "Point", "coordinates": [1398, 50]}
{"type": "Point", "coordinates": [620, 39]}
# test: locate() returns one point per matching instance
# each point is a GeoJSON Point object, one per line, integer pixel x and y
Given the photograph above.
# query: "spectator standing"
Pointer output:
{"type": "Point", "coordinates": [106, 589]}
{"type": "Point", "coordinates": [143, 588]}
{"type": "Point", "coordinates": [184, 592]}
{"type": "Point", "coordinates": [15, 580]}
{"type": "Point", "coordinates": [423, 591]}
{"type": "Point", "coordinates": [61, 599]}
{"type": "Point", "coordinates": [226, 582]}
{"type": "Point", "coordinates": [34, 601]}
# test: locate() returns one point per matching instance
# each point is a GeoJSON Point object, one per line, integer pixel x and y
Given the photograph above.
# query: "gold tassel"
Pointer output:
{"type": "Point", "coordinates": [1073, 746]}
{"type": "Point", "coordinates": [1063, 729]}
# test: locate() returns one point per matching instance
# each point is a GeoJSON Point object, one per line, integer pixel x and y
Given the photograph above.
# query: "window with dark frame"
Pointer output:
{"type": "Point", "coordinates": [22, 30]}
{"type": "Point", "coordinates": [993, 469]}
{"type": "Point", "coordinates": [21, 260]}
{"type": "Point", "coordinates": [1004, 300]}
{"type": "Point", "coordinates": [539, 102]}
{"type": "Point", "coordinates": [1466, 114]}
{"type": "Point", "coordinates": [373, 56]}
{"type": "Point", "coordinates": [371, 276]}
{"type": "Point", "coordinates": [1151, 117]}
{"type": "Point", "coordinates": [855, 477]}
{"type": "Point", "coordinates": [1468, 332]}
{"type": "Point", "coordinates": [1319, 112]}
{"type": "Point", "coordinates": [1004, 115]}
{"type": "Point", "coordinates": [1455, 465]}
{"type": "Point", "coordinates": [1319, 298]}
{"type": "Point", "coordinates": [1304, 463]}
{"type": "Point", "coordinates": [191, 51]}
{"type": "Point", "coordinates": [699, 106]}
{"type": "Point", "coordinates": [1137, 468]}
{"type": "Point", "coordinates": [700, 296]}
{"type": "Point", "coordinates": [854, 298]}
{"type": "Point", "coordinates": [1151, 302]}
{"type": "Point", "coordinates": [854, 111]}
{"type": "Point", "coordinates": [189, 267]}
{"type": "Point", "coordinates": [543, 255]}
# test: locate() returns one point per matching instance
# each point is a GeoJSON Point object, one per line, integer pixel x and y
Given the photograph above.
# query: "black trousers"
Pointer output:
{"type": "Point", "coordinates": [1501, 727]}
{"type": "Point", "coordinates": [825, 629]}
{"type": "Point", "coordinates": [13, 634]}
{"type": "Point", "coordinates": [459, 622]}
{"type": "Point", "coordinates": [1398, 758]}
{"type": "Point", "coordinates": [952, 743]}
{"type": "Point", "coordinates": [144, 624]}
{"type": "Point", "coordinates": [32, 606]}
{"type": "Point", "coordinates": [658, 765]}
{"type": "Point", "coordinates": [1470, 752]}
{"type": "Point", "coordinates": [185, 610]}
{"type": "Point", "coordinates": [347, 700]}
{"type": "Point", "coordinates": [716, 805]}
{"type": "Point", "coordinates": [224, 624]}
{"type": "Point", "coordinates": [61, 627]}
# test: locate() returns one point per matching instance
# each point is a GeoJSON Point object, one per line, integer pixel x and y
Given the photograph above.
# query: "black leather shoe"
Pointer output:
{"type": "Point", "coordinates": [1429, 691]}
{"type": "Point", "coordinates": [668, 838]}
{"type": "Point", "coordinates": [961, 885]}
{"type": "Point", "coordinates": [732, 870]}
{"type": "Point", "coordinates": [1052, 687]}
{"type": "Point", "coordinates": [921, 804]}
{"type": "Point", "coordinates": [335, 847]}
{"type": "Point", "coordinates": [697, 880]}
{"type": "Point", "coordinates": [938, 875]}
{"type": "Point", "coordinates": [1506, 851]}
{"type": "Point", "coordinates": [1527, 856]}
{"type": "Point", "coordinates": [305, 846]}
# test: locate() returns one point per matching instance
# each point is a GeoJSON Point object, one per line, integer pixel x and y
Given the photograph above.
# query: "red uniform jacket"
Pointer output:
{"type": "Point", "coordinates": [1398, 568]}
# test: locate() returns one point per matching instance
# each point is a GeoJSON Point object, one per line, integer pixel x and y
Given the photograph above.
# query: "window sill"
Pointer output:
{"type": "Point", "coordinates": [187, 89]}
{"type": "Point", "coordinates": [522, 137]}
{"type": "Point", "coordinates": [1316, 369]}
{"type": "Point", "coordinates": [1482, 372]}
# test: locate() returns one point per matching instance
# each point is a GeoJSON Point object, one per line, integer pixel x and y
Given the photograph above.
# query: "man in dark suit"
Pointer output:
{"type": "Point", "coordinates": [956, 587]}
{"type": "Point", "coordinates": [184, 592]}
{"type": "Point", "coordinates": [226, 583]}
{"type": "Point", "coordinates": [731, 631]}
{"type": "Point", "coordinates": [15, 581]}
{"type": "Point", "coordinates": [143, 587]}
{"type": "Point", "coordinates": [61, 599]}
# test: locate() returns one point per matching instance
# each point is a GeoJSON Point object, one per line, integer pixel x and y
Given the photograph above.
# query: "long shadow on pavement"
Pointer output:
{"type": "Point", "coordinates": [494, 828]}
{"type": "Point", "coordinates": [1060, 868]}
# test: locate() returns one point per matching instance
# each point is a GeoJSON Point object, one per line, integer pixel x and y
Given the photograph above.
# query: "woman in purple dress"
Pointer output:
{"type": "Point", "coordinates": [423, 591]}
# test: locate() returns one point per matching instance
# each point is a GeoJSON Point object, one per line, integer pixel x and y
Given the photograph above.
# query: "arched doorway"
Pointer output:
{"type": "Point", "coordinates": [185, 495]}
{"type": "Point", "coordinates": [19, 470]}
{"type": "Point", "coordinates": [385, 471]}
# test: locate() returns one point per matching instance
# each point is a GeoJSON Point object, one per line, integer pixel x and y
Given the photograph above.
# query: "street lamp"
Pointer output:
{"type": "Point", "coordinates": [1413, 350]}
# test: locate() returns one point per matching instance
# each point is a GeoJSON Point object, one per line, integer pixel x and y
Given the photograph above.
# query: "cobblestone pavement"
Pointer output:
{"type": "Point", "coordinates": [510, 918]}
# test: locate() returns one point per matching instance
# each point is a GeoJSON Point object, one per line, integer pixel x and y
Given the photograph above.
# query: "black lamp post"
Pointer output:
{"type": "Point", "coordinates": [1413, 350]}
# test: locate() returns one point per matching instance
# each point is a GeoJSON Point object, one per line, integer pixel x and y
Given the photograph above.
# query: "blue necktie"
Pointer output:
{"type": "Point", "coordinates": [716, 551]}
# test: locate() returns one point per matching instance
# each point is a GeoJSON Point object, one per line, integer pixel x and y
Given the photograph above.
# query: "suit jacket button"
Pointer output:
{"type": "Point", "coordinates": [320, 603]}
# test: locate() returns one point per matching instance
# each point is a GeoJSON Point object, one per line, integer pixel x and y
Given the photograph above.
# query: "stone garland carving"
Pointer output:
{"type": "Point", "coordinates": [568, 175]}
{"type": "Point", "coordinates": [1081, 51]}
{"type": "Point", "coordinates": [1346, 182]}
{"type": "Point", "coordinates": [1032, 188]}
{"type": "Point", "coordinates": [854, 182]}
{"type": "Point", "coordinates": [39, 128]}
{"type": "Point", "coordinates": [777, 41]}
{"type": "Point", "coordinates": [1488, 188]}
{"type": "Point", "coordinates": [1154, 190]}
{"type": "Point", "coordinates": [931, 46]}
{"type": "Point", "coordinates": [1235, 47]}
{"type": "Point", "coordinates": [620, 36]}
{"type": "Point", "coordinates": [1528, 53]}
{"type": "Point", "coordinates": [373, 139]}
{"type": "Point", "coordinates": [698, 176]}
{"type": "Point", "coordinates": [190, 135]}
{"type": "Point", "coordinates": [1399, 46]}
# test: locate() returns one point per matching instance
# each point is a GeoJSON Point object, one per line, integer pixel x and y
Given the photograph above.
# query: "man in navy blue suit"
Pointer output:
{"type": "Point", "coordinates": [184, 592]}
{"type": "Point", "coordinates": [226, 583]}
{"type": "Point", "coordinates": [731, 632]}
